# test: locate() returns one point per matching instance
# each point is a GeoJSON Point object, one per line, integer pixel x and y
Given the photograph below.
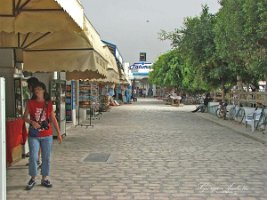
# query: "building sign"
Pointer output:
{"type": "Point", "coordinates": [141, 69]}
{"type": "Point", "coordinates": [142, 57]}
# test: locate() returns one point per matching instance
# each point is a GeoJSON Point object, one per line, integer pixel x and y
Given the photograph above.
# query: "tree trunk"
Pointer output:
{"type": "Point", "coordinates": [239, 83]}
{"type": "Point", "coordinates": [223, 90]}
{"type": "Point", "coordinates": [265, 81]}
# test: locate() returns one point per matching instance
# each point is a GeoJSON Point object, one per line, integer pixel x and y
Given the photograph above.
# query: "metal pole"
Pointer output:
{"type": "Point", "coordinates": [91, 104]}
{"type": "Point", "coordinates": [2, 139]}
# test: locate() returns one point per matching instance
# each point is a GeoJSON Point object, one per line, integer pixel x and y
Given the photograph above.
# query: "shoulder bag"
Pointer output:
{"type": "Point", "coordinates": [34, 132]}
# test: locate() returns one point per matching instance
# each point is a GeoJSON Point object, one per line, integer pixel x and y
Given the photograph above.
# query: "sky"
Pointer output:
{"type": "Point", "coordinates": [134, 25]}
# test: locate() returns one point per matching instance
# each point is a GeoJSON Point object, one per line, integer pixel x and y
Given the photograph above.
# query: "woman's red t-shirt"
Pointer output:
{"type": "Point", "coordinates": [35, 110]}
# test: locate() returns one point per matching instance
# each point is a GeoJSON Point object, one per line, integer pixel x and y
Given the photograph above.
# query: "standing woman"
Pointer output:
{"type": "Point", "coordinates": [31, 83]}
{"type": "Point", "coordinates": [40, 109]}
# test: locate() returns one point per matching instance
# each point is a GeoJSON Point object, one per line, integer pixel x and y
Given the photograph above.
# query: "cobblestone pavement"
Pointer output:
{"type": "Point", "coordinates": [156, 152]}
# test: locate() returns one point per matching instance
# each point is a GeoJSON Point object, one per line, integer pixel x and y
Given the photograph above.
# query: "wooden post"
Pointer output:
{"type": "Point", "coordinates": [223, 90]}
{"type": "Point", "coordinates": [239, 83]}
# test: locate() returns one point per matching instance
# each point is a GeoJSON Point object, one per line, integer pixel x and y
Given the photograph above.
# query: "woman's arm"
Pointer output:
{"type": "Point", "coordinates": [26, 119]}
{"type": "Point", "coordinates": [55, 123]}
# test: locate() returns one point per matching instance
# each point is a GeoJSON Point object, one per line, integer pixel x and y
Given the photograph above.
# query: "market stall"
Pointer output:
{"type": "Point", "coordinates": [71, 101]}
{"type": "Point", "coordinates": [47, 36]}
{"type": "Point", "coordinates": [57, 94]}
{"type": "Point", "coordinates": [88, 103]}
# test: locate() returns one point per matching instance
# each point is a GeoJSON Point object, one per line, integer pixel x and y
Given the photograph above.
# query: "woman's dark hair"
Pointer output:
{"type": "Point", "coordinates": [32, 81]}
{"type": "Point", "coordinates": [42, 85]}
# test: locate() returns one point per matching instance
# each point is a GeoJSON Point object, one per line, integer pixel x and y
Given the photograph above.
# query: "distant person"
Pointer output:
{"type": "Point", "coordinates": [140, 92]}
{"type": "Point", "coordinates": [128, 94]}
{"type": "Point", "coordinates": [134, 96]}
{"type": "Point", "coordinates": [144, 92]}
{"type": "Point", "coordinates": [150, 92]}
{"type": "Point", "coordinates": [202, 107]}
{"type": "Point", "coordinates": [31, 83]}
{"type": "Point", "coordinates": [253, 94]}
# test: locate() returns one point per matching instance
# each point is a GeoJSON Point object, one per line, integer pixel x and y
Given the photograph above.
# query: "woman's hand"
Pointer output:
{"type": "Point", "coordinates": [59, 138]}
{"type": "Point", "coordinates": [35, 124]}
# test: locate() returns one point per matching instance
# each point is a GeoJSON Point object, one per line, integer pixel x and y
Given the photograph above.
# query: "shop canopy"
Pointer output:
{"type": "Point", "coordinates": [112, 68]}
{"type": "Point", "coordinates": [51, 35]}
{"type": "Point", "coordinates": [123, 79]}
{"type": "Point", "coordinates": [111, 78]}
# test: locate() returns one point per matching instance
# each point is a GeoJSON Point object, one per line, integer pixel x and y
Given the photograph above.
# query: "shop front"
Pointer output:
{"type": "Point", "coordinates": [38, 38]}
{"type": "Point", "coordinates": [93, 93]}
{"type": "Point", "coordinates": [139, 76]}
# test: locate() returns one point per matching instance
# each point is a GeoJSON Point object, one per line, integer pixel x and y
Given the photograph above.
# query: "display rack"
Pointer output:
{"type": "Point", "coordinates": [68, 102]}
{"type": "Point", "coordinates": [104, 99]}
{"type": "Point", "coordinates": [57, 93]}
{"type": "Point", "coordinates": [88, 102]}
{"type": "Point", "coordinates": [84, 102]}
{"type": "Point", "coordinates": [95, 99]}
{"type": "Point", "coordinates": [104, 104]}
{"type": "Point", "coordinates": [22, 94]}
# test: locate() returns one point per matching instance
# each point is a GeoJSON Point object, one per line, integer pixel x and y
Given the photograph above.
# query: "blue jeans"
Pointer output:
{"type": "Point", "coordinates": [46, 147]}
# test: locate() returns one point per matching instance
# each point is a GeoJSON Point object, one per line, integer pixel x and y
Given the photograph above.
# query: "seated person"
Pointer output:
{"type": "Point", "coordinates": [173, 95]}
{"type": "Point", "coordinates": [202, 107]}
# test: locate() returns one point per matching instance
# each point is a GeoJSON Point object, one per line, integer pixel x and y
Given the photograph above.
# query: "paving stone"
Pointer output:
{"type": "Point", "coordinates": [157, 152]}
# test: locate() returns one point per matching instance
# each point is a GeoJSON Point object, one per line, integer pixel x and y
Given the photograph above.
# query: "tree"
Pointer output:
{"type": "Point", "coordinates": [217, 50]}
{"type": "Point", "coordinates": [255, 36]}
{"type": "Point", "coordinates": [196, 42]}
{"type": "Point", "coordinates": [167, 71]}
{"type": "Point", "coordinates": [231, 41]}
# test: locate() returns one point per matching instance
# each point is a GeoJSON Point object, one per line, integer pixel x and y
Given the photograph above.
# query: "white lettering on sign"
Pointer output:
{"type": "Point", "coordinates": [137, 66]}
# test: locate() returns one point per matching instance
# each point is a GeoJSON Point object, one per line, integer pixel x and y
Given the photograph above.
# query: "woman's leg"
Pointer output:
{"type": "Point", "coordinates": [197, 109]}
{"type": "Point", "coordinates": [46, 146]}
{"type": "Point", "coordinates": [39, 156]}
{"type": "Point", "coordinates": [34, 145]}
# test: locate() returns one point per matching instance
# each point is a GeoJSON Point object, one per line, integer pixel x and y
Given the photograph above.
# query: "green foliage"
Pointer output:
{"type": "Point", "coordinates": [199, 49]}
{"type": "Point", "coordinates": [255, 35]}
{"type": "Point", "coordinates": [212, 50]}
{"type": "Point", "coordinates": [167, 70]}
{"type": "Point", "coordinates": [235, 37]}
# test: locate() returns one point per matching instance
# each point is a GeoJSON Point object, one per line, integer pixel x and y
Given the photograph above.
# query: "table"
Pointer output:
{"type": "Point", "coordinates": [16, 134]}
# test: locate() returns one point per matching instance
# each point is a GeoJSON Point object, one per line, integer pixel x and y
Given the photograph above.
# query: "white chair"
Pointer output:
{"type": "Point", "coordinates": [253, 118]}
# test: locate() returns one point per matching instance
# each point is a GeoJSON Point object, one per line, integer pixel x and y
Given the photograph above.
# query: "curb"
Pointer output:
{"type": "Point", "coordinates": [239, 130]}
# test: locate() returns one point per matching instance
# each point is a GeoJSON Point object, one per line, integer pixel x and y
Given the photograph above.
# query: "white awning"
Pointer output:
{"type": "Point", "coordinates": [39, 16]}
{"type": "Point", "coordinates": [74, 9]}
{"type": "Point", "coordinates": [52, 35]}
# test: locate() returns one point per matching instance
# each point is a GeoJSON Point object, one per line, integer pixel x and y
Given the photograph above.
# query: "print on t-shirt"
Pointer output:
{"type": "Point", "coordinates": [38, 113]}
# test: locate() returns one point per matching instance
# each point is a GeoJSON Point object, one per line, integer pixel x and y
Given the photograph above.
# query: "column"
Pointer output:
{"type": "Point", "coordinates": [2, 140]}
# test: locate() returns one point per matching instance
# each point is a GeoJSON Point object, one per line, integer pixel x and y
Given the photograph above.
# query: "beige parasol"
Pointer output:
{"type": "Point", "coordinates": [51, 35]}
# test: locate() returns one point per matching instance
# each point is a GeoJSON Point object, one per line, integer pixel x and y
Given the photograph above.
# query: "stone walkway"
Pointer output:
{"type": "Point", "coordinates": [151, 151]}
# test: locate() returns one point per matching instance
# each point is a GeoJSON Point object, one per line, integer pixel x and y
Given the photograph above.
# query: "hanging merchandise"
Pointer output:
{"type": "Point", "coordinates": [22, 94]}
{"type": "Point", "coordinates": [88, 102]}
{"type": "Point", "coordinates": [57, 93]}
{"type": "Point", "coordinates": [94, 97]}
{"type": "Point", "coordinates": [104, 98]}
{"type": "Point", "coordinates": [70, 100]}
